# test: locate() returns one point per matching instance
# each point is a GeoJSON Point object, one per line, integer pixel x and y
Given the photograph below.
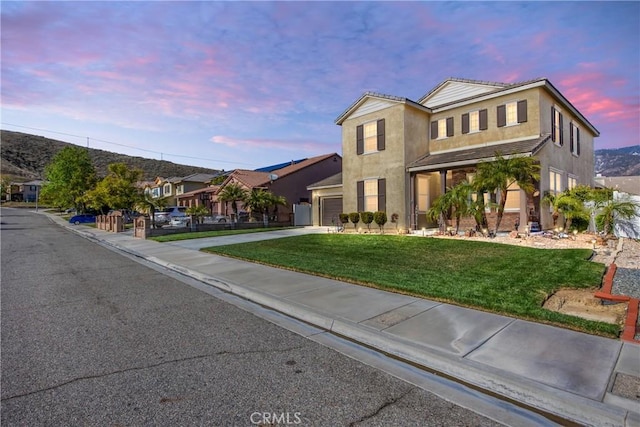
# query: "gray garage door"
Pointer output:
{"type": "Point", "coordinates": [330, 208]}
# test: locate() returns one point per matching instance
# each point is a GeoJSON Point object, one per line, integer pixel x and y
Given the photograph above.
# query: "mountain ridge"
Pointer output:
{"type": "Point", "coordinates": [24, 157]}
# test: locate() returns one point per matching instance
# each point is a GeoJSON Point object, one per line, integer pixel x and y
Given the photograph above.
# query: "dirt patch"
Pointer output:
{"type": "Point", "coordinates": [581, 303]}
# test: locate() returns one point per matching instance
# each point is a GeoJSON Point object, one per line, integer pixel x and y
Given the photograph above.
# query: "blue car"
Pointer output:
{"type": "Point", "coordinates": [82, 219]}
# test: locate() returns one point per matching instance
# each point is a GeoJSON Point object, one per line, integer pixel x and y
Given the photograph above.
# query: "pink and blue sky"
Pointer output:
{"type": "Point", "coordinates": [231, 85]}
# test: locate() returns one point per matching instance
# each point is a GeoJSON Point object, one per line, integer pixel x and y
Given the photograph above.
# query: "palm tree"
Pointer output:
{"type": "Point", "coordinates": [233, 193]}
{"type": "Point", "coordinates": [553, 201]}
{"type": "Point", "coordinates": [613, 210]}
{"type": "Point", "coordinates": [502, 173]}
{"type": "Point", "coordinates": [258, 201]}
{"type": "Point", "coordinates": [456, 198]}
{"type": "Point", "coordinates": [147, 204]}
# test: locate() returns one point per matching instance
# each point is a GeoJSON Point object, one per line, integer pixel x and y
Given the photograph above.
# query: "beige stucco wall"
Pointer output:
{"type": "Point", "coordinates": [405, 139]}
{"type": "Point", "coordinates": [493, 133]}
{"type": "Point", "coordinates": [553, 156]}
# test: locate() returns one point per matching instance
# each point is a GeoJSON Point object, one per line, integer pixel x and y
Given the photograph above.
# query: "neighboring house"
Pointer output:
{"type": "Point", "coordinates": [289, 180]}
{"type": "Point", "coordinates": [399, 154]}
{"type": "Point", "coordinates": [192, 182]}
{"type": "Point", "coordinates": [25, 191]}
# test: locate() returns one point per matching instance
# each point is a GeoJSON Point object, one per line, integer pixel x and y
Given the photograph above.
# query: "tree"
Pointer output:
{"type": "Point", "coordinates": [380, 218]}
{"type": "Point", "coordinates": [67, 178]}
{"type": "Point", "coordinates": [198, 211]}
{"type": "Point", "coordinates": [232, 193]}
{"type": "Point", "coordinates": [501, 173]}
{"type": "Point", "coordinates": [4, 187]}
{"type": "Point", "coordinates": [259, 200]}
{"type": "Point", "coordinates": [456, 199]}
{"type": "Point", "coordinates": [147, 204]}
{"type": "Point", "coordinates": [367, 219]}
{"type": "Point", "coordinates": [117, 190]}
{"type": "Point", "coordinates": [354, 217]}
{"type": "Point", "coordinates": [612, 210]}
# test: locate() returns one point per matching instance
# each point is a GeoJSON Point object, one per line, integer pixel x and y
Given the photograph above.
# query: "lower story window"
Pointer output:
{"type": "Point", "coordinates": [555, 181]}
{"type": "Point", "coordinates": [572, 181]}
{"type": "Point", "coordinates": [371, 195]}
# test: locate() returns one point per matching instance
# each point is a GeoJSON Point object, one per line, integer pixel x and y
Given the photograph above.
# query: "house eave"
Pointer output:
{"type": "Point", "coordinates": [470, 162]}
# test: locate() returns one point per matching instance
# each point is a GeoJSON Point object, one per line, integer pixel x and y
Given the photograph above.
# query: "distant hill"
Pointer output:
{"type": "Point", "coordinates": [618, 162]}
{"type": "Point", "coordinates": [24, 157]}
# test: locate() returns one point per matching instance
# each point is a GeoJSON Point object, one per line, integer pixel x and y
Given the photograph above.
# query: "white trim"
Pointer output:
{"type": "Point", "coordinates": [487, 144]}
{"type": "Point", "coordinates": [324, 186]}
{"type": "Point", "coordinates": [464, 162]}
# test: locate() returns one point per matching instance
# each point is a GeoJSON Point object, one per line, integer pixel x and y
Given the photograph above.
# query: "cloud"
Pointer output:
{"type": "Point", "coordinates": [253, 144]}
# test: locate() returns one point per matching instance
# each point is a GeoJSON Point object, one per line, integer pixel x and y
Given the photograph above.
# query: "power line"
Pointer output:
{"type": "Point", "coordinates": [162, 154]}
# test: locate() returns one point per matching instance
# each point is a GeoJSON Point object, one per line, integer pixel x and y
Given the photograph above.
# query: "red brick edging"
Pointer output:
{"type": "Point", "coordinates": [629, 331]}
{"type": "Point", "coordinates": [630, 324]}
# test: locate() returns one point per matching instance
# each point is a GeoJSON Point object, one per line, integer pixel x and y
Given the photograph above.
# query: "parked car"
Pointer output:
{"type": "Point", "coordinates": [164, 216]}
{"type": "Point", "coordinates": [82, 219]}
{"type": "Point", "coordinates": [180, 221]}
{"type": "Point", "coordinates": [216, 219]}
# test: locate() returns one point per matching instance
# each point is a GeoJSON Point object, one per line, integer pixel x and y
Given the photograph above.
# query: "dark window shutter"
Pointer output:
{"type": "Point", "coordinates": [553, 125]}
{"type": "Point", "coordinates": [502, 116]}
{"type": "Point", "coordinates": [360, 190]}
{"type": "Point", "coordinates": [360, 139]}
{"type": "Point", "coordinates": [381, 135]}
{"type": "Point", "coordinates": [382, 194]}
{"type": "Point", "coordinates": [482, 115]}
{"type": "Point", "coordinates": [561, 130]}
{"type": "Point", "coordinates": [522, 111]}
{"type": "Point", "coordinates": [450, 126]}
{"type": "Point", "coordinates": [571, 138]}
{"type": "Point", "coordinates": [434, 130]}
{"type": "Point", "coordinates": [578, 141]}
{"type": "Point", "coordinates": [465, 123]}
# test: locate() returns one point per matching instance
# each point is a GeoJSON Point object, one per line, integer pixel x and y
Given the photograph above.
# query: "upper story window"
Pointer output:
{"type": "Point", "coordinates": [156, 191]}
{"type": "Point", "coordinates": [442, 128]}
{"type": "Point", "coordinates": [370, 137]}
{"type": "Point", "coordinates": [556, 127]}
{"type": "Point", "coordinates": [574, 139]}
{"type": "Point", "coordinates": [512, 113]}
{"type": "Point", "coordinates": [180, 189]}
{"type": "Point", "coordinates": [166, 189]}
{"type": "Point", "coordinates": [474, 121]}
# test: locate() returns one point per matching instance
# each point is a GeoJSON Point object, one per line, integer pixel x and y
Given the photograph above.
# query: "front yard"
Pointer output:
{"type": "Point", "coordinates": [503, 279]}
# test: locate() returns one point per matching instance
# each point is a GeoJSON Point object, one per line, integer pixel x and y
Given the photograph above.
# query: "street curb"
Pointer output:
{"type": "Point", "coordinates": [522, 391]}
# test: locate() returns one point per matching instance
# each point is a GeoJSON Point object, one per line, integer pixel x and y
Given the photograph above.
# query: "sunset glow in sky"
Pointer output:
{"type": "Point", "coordinates": [231, 85]}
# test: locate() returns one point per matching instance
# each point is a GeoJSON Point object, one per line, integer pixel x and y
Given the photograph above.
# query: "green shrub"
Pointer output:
{"type": "Point", "coordinates": [344, 218]}
{"type": "Point", "coordinates": [354, 217]}
{"type": "Point", "coordinates": [367, 218]}
{"type": "Point", "coordinates": [380, 218]}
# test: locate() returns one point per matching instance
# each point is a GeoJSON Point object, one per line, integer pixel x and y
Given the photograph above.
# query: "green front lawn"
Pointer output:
{"type": "Point", "coordinates": [499, 278]}
{"type": "Point", "coordinates": [214, 233]}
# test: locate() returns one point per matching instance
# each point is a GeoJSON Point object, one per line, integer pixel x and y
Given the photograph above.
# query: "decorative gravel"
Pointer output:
{"type": "Point", "coordinates": [626, 282]}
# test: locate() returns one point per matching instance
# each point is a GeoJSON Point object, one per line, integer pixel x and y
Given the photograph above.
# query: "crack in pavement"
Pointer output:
{"type": "Point", "coordinates": [140, 368]}
{"type": "Point", "coordinates": [386, 404]}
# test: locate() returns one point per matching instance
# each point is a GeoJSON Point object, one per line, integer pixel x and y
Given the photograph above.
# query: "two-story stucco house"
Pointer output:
{"type": "Point", "coordinates": [399, 154]}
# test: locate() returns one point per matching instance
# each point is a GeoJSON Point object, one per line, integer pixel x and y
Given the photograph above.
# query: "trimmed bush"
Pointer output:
{"type": "Point", "coordinates": [344, 218]}
{"type": "Point", "coordinates": [354, 217]}
{"type": "Point", "coordinates": [380, 218]}
{"type": "Point", "coordinates": [367, 218]}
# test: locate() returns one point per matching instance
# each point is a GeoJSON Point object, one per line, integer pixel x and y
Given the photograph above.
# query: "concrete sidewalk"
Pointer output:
{"type": "Point", "coordinates": [575, 376]}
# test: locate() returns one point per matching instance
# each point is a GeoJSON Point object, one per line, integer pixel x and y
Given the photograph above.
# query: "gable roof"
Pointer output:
{"type": "Point", "coordinates": [373, 95]}
{"type": "Point", "coordinates": [256, 178]}
{"type": "Point", "coordinates": [472, 156]}
{"type": "Point", "coordinates": [197, 177]}
{"type": "Point", "coordinates": [332, 181]}
{"type": "Point", "coordinates": [455, 88]}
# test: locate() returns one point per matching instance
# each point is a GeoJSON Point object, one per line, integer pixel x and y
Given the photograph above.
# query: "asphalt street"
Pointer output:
{"type": "Point", "coordinates": [91, 337]}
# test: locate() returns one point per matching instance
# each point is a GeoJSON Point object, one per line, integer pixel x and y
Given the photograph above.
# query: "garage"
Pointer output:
{"type": "Point", "coordinates": [330, 208]}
